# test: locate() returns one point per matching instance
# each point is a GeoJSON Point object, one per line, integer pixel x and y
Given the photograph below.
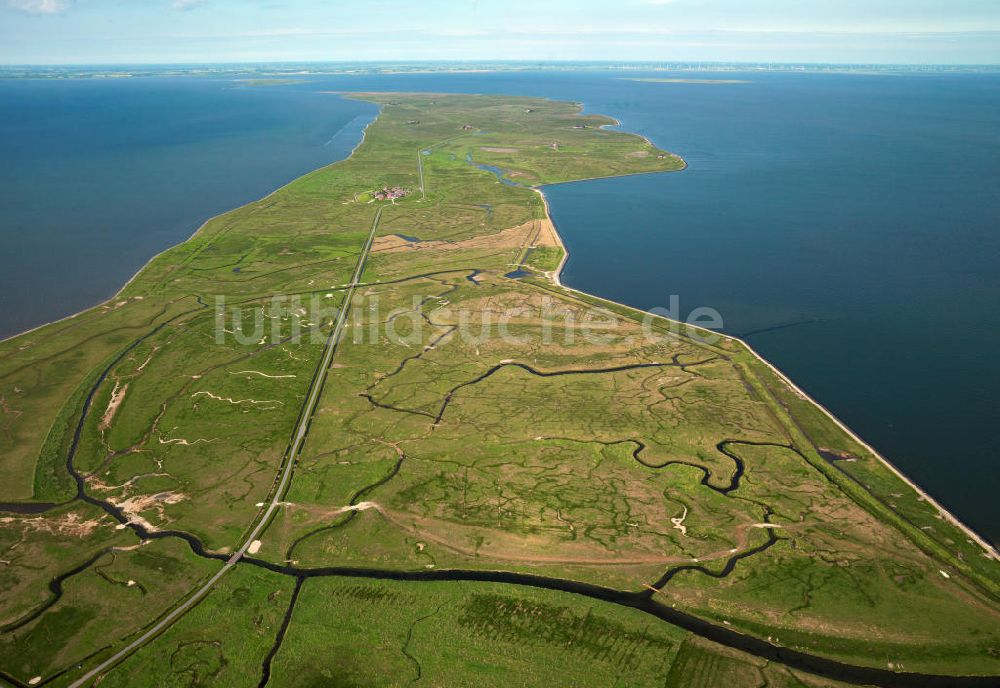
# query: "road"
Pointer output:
{"type": "Point", "coordinates": [330, 347]}
{"type": "Point", "coordinates": [420, 171]}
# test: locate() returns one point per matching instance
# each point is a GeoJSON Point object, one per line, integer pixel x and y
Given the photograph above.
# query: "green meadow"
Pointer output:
{"type": "Point", "coordinates": [502, 481]}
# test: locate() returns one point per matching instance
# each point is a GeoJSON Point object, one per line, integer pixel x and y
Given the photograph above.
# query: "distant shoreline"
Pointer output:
{"type": "Point", "coordinates": [270, 70]}
{"type": "Point", "coordinates": [653, 80]}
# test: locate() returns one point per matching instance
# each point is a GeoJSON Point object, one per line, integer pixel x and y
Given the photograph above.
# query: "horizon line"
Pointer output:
{"type": "Point", "coordinates": [487, 62]}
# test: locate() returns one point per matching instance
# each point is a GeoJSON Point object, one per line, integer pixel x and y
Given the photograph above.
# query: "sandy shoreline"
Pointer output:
{"type": "Point", "coordinates": [947, 515]}
{"type": "Point", "coordinates": [555, 277]}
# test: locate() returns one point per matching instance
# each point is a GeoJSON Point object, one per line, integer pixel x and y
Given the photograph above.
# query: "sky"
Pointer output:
{"type": "Point", "coordinates": [185, 31]}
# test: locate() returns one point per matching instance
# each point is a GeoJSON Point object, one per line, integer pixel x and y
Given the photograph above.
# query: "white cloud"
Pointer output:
{"type": "Point", "coordinates": [182, 5]}
{"type": "Point", "coordinates": [40, 6]}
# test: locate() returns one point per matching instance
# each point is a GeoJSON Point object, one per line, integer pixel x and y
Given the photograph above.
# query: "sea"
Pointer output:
{"type": "Point", "coordinates": [846, 225]}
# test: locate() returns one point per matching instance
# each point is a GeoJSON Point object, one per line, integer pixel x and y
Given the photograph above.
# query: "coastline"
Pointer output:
{"type": "Point", "coordinates": [364, 132]}
{"type": "Point", "coordinates": [555, 278]}
{"type": "Point", "coordinates": [196, 232]}
{"type": "Point", "coordinates": [990, 550]}
{"type": "Point", "coordinates": [684, 166]}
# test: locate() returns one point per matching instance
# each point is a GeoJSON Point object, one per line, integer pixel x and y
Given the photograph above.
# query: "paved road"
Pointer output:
{"type": "Point", "coordinates": [312, 399]}
{"type": "Point", "coordinates": [420, 171]}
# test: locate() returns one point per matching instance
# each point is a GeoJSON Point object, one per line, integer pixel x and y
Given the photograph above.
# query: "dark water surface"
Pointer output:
{"type": "Point", "coordinates": [848, 223]}
{"type": "Point", "coordinates": [97, 176]}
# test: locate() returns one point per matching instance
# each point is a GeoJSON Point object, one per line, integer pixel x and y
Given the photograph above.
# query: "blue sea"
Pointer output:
{"type": "Point", "coordinates": [100, 175]}
{"type": "Point", "coordinates": [847, 224]}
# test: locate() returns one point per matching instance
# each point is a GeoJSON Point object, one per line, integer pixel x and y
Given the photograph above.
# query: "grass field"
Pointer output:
{"type": "Point", "coordinates": [477, 422]}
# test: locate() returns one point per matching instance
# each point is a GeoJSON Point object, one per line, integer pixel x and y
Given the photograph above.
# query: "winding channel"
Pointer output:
{"type": "Point", "coordinates": [645, 600]}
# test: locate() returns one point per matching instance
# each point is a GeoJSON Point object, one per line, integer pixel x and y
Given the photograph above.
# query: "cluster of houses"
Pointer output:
{"type": "Point", "coordinates": [390, 193]}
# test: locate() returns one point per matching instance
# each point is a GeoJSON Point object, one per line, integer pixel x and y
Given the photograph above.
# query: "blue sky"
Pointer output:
{"type": "Point", "coordinates": [155, 31]}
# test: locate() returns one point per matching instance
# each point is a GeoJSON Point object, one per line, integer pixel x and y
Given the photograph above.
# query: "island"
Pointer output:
{"type": "Point", "coordinates": [358, 433]}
